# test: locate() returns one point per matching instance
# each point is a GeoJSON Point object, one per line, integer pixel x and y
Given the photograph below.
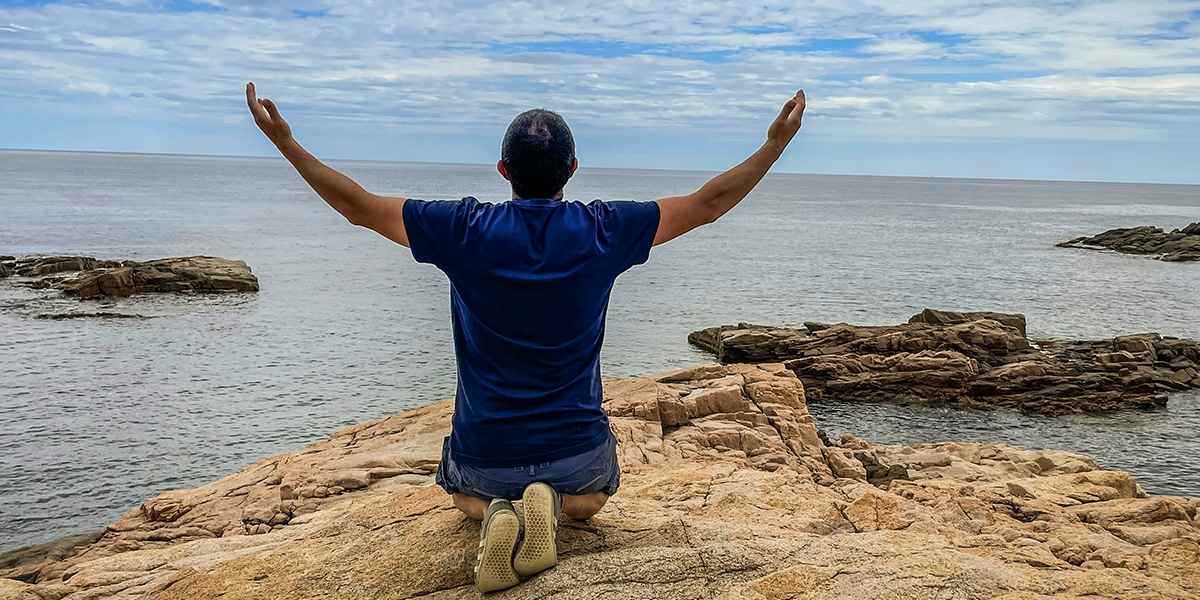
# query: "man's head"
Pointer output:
{"type": "Point", "coordinates": [538, 154]}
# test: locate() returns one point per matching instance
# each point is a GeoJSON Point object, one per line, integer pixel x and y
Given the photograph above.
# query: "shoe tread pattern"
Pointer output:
{"type": "Point", "coordinates": [538, 551]}
{"type": "Point", "coordinates": [494, 564]}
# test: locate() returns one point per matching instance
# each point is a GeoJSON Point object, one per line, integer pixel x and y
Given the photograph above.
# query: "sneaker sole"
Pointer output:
{"type": "Point", "coordinates": [538, 551]}
{"type": "Point", "coordinates": [494, 569]}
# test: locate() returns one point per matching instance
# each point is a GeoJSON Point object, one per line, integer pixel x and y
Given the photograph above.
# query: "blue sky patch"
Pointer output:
{"type": "Point", "coordinates": [838, 45]}
{"type": "Point", "coordinates": [187, 6]}
{"type": "Point", "coordinates": [25, 3]}
{"type": "Point", "coordinates": [761, 29]}
{"type": "Point", "coordinates": [941, 38]}
{"type": "Point", "coordinates": [310, 14]}
{"type": "Point", "coordinates": [171, 97]}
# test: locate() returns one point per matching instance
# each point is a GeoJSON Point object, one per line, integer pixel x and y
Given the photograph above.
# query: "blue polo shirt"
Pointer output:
{"type": "Point", "coordinates": [529, 286]}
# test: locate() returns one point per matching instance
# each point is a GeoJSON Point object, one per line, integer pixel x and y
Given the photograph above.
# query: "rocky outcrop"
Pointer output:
{"type": "Point", "coordinates": [1177, 246]}
{"type": "Point", "coordinates": [727, 492]}
{"type": "Point", "coordinates": [972, 359]}
{"type": "Point", "coordinates": [85, 277]}
{"type": "Point", "coordinates": [945, 317]}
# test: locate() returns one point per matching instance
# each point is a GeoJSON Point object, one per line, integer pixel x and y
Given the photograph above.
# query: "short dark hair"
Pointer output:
{"type": "Point", "coordinates": [538, 152]}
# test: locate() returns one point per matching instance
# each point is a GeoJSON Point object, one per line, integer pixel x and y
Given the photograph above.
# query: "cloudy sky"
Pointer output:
{"type": "Point", "coordinates": [1042, 89]}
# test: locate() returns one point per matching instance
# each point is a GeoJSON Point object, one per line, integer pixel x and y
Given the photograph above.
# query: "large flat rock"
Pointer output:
{"type": "Point", "coordinates": [86, 278]}
{"type": "Point", "coordinates": [727, 492]}
{"type": "Point", "coordinates": [978, 359]}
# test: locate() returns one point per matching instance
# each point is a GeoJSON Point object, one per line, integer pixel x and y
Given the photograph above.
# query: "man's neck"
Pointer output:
{"type": "Point", "coordinates": [558, 196]}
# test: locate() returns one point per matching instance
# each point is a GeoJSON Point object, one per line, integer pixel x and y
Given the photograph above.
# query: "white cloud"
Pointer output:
{"type": "Point", "coordinates": [905, 48]}
{"type": "Point", "coordinates": [1115, 69]}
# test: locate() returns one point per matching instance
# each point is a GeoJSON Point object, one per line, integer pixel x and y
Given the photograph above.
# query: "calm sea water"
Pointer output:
{"type": "Point", "coordinates": [97, 415]}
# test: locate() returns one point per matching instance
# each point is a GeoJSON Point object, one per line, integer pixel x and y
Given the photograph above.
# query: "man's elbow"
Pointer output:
{"type": "Point", "coordinates": [357, 218]}
{"type": "Point", "coordinates": [711, 212]}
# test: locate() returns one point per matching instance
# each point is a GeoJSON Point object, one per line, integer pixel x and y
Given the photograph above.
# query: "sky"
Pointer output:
{"type": "Point", "coordinates": [1027, 89]}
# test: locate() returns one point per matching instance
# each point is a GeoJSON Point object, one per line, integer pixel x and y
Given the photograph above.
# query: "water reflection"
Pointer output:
{"type": "Point", "coordinates": [1155, 445]}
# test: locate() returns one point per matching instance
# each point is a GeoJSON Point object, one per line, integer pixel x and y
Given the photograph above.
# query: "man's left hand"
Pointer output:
{"type": "Point", "coordinates": [266, 116]}
{"type": "Point", "coordinates": [785, 126]}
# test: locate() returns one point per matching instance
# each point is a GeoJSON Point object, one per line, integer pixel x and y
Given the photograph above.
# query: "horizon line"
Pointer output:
{"type": "Point", "coordinates": [583, 166]}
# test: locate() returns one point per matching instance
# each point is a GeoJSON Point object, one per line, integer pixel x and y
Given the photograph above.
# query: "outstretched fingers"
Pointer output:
{"type": "Point", "coordinates": [256, 108]}
{"type": "Point", "coordinates": [793, 109]}
{"type": "Point", "coordinates": [267, 117]}
{"type": "Point", "coordinates": [252, 98]}
{"type": "Point", "coordinates": [787, 109]}
{"type": "Point", "coordinates": [272, 110]}
{"type": "Point", "coordinates": [797, 105]}
{"type": "Point", "coordinates": [785, 126]}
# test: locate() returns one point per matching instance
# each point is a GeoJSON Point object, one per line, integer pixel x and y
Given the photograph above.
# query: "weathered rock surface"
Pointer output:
{"type": "Point", "coordinates": [727, 492]}
{"type": "Point", "coordinates": [42, 266]}
{"type": "Point", "coordinates": [85, 277]}
{"type": "Point", "coordinates": [973, 359]}
{"type": "Point", "coordinates": [1177, 246]}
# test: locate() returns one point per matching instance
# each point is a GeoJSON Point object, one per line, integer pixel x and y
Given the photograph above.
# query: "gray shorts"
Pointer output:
{"type": "Point", "coordinates": [593, 471]}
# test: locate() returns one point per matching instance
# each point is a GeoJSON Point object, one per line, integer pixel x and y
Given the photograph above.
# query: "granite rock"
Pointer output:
{"type": "Point", "coordinates": [85, 277]}
{"type": "Point", "coordinates": [971, 359]}
{"type": "Point", "coordinates": [727, 493]}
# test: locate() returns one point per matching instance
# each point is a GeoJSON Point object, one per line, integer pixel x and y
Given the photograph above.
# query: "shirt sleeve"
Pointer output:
{"type": "Point", "coordinates": [630, 228]}
{"type": "Point", "coordinates": [436, 230]}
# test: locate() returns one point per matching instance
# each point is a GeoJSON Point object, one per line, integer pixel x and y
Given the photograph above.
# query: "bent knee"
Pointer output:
{"type": "Point", "coordinates": [585, 507]}
{"type": "Point", "coordinates": [471, 506]}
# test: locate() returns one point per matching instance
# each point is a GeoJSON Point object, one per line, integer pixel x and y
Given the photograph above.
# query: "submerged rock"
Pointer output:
{"type": "Point", "coordinates": [973, 359]}
{"type": "Point", "coordinates": [90, 278]}
{"type": "Point", "coordinates": [1177, 246]}
{"type": "Point", "coordinates": [86, 315]}
{"type": "Point", "coordinates": [727, 492]}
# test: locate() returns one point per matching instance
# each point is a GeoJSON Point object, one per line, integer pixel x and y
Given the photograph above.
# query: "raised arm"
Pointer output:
{"type": "Point", "coordinates": [681, 214]}
{"type": "Point", "coordinates": [383, 214]}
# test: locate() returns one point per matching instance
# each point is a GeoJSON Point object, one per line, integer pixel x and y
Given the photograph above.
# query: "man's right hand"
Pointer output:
{"type": "Point", "coordinates": [785, 126]}
{"type": "Point", "coordinates": [266, 116]}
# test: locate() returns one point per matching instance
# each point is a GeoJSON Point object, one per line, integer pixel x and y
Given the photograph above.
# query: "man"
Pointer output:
{"type": "Point", "coordinates": [530, 282]}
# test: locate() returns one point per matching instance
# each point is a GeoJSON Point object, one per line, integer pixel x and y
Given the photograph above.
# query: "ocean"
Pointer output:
{"type": "Point", "coordinates": [96, 415]}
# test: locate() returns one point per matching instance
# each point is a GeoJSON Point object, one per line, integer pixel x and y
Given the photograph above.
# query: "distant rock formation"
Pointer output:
{"type": "Point", "coordinates": [1177, 246]}
{"type": "Point", "coordinates": [727, 492]}
{"type": "Point", "coordinates": [973, 359]}
{"type": "Point", "coordinates": [85, 277]}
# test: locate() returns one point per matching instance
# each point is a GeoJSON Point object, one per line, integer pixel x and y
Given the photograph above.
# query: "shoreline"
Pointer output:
{"type": "Point", "coordinates": [718, 460]}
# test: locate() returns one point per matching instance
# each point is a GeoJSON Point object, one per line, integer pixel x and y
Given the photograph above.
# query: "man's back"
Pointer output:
{"type": "Point", "coordinates": [530, 282]}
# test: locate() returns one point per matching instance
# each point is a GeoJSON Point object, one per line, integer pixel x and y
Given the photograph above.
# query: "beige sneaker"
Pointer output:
{"type": "Point", "coordinates": [538, 551]}
{"type": "Point", "coordinates": [498, 535]}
